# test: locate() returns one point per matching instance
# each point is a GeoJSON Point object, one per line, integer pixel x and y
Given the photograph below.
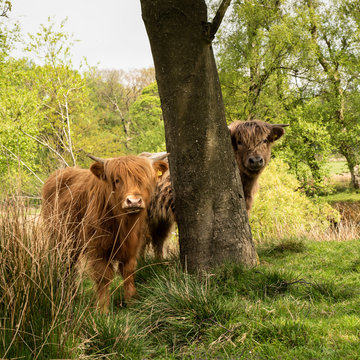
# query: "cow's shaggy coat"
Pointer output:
{"type": "Point", "coordinates": [102, 211]}
{"type": "Point", "coordinates": [252, 142]}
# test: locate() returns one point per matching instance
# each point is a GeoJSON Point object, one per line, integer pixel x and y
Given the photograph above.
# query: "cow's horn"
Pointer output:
{"type": "Point", "coordinates": [92, 157]}
{"type": "Point", "coordinates": [282, 125]}
{"type": "Point", "coordinates": [155, 156]}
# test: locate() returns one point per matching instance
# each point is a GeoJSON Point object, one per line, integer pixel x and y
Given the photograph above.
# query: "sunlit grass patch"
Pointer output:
{"type": "Point", "coordinates": [301, 302]}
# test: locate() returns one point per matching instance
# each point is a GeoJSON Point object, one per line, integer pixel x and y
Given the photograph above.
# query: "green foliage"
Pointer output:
{"type": "Point", "coordinates": [307, 146]}
{"type": "Point", "coordinates": [66, 112]}
{"type": "Point", "coordinates": [8, 35]}
{"type": "Point", "coordinates": [273, 213]}
{"type": "Point", "coordinates": [349, 195]}
{"type": "Point", "coordinates": [256, 52]}
{"type": "Point", "coordinates": [298, 64]}
{"type": "Point", "coordinates": [19, 108]}
{"type": "Point", "coordinates": [147, 123]}
{"type": "Point", "coordinates": [114, 93]}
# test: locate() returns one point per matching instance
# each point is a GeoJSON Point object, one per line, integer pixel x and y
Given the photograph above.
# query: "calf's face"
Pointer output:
{"type": "Point", "coordinates": [252, 142]}
{"type": "Point", "coordinates": [131, 181]}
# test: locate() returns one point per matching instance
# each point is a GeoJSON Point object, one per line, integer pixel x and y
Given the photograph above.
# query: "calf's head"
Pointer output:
{"type": "Point", "coordinates": [130, 181]}
{"type": "Point", "coordinates": [252, 142]}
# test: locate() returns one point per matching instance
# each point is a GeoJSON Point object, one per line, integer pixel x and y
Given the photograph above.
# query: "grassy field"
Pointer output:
{"type": "Point", "coordinates": [340, 181]}
{"type": "Point", "coordinates": [302, 302]}
{"type": "Point", "coordinates": [337, 167]}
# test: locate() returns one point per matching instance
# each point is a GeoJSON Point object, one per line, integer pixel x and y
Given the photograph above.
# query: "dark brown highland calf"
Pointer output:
{"type": "Point", "coordinates": [251, 141]}
{"type": "Point", "coordinates": [100, 213]}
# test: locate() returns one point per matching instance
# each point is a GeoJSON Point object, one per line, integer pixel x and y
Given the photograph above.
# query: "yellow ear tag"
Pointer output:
{"type": "Point", "coordinates": [159, 173]}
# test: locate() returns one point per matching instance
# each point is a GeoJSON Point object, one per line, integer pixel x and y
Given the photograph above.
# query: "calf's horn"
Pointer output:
{"type": "Point", "coordinates": [92, 157]}
{"type": "Point", "coordinates": [155, 156]}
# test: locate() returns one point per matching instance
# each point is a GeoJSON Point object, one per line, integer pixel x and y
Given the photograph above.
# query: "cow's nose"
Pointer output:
{"type": "Point", "coordinates": [256, 162]}
{"type": "Point", "coordinates": [134, 201]}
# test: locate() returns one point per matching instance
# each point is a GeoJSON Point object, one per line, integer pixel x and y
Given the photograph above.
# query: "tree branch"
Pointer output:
{"type": "Point", "coordinates": [218, 18]}
{"type": "Point", "coordinates": [6, 8]}
{"type": "Point", "coordinates": [68, 131]}
{"type": "Point", "coordinates": [46, 145]}
{"type": "Point", "coordinates": [18, 159]}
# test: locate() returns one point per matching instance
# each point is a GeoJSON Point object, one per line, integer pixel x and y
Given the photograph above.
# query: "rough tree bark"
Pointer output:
{"type": "Point", "coordinates": [209, 201]}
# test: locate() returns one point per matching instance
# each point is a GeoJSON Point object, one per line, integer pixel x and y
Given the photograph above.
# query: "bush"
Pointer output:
{"type": "Point", "coordinates": [281, 209]}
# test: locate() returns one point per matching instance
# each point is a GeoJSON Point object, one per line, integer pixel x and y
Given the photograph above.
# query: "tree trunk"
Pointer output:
{"type": "Point", "coordinates": [209, 201]}
{"type": "Point", "coordinates": [354, 171]}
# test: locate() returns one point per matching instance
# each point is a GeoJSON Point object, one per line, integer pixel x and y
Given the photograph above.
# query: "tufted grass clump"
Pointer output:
{"type": "Point", "coordinates": [38, 316]}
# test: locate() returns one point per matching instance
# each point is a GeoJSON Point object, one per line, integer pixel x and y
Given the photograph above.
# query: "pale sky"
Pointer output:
{"type": "Point", "coordinates": [111, 32]}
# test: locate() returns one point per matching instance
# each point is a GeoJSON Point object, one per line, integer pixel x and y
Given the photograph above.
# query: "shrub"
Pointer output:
{"type": "Point", "coordinates": [281, 209]}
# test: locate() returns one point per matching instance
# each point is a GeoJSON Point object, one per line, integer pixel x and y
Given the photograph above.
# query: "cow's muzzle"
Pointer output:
{"type": "Point", "coordinates": [255, 163]}
{"type": "Point", "coordinates": [133, 203]}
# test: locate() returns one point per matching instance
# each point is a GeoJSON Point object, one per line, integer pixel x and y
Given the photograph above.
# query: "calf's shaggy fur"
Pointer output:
{"type": "Point", "coordinates": [102, 211]}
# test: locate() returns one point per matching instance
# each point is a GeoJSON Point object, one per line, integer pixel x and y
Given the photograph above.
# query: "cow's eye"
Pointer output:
{"type": "Point", "coordinates": [266, 141]}
{"type": "Point", "coordinates": [117, 181]}
{"type": "Point", "coordinates": [239, 142]}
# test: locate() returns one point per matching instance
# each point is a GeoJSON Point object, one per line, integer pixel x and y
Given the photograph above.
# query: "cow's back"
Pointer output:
{"type": "Point", "coordinates": [65, 200]}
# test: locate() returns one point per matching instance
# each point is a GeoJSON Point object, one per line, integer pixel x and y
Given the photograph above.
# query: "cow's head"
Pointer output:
{"type": "Point", "coordinates": [252, 142]}
{"type": "Point", "coordinates": [130, 179]}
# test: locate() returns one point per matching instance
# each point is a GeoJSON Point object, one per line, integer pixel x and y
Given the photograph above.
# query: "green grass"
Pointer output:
{"type": "Point", "coordinates": [337, 167]}
{"type": "Point", "coordinates": [342, 191]}
{"type": "Point", "coordinates": [343, 195]}
{"type": "Point", "coordinates": [302, 302]}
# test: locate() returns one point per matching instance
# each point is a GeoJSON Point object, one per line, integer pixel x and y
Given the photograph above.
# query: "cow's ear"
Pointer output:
{"type": "Point", "coordinates": [233, 136]}
{"type": "Point", "coordinates": [98, 170]}
{"type": "Point", "coordinates": [276, 133]}
{"type": "Point", "coordinates": [160, 167]}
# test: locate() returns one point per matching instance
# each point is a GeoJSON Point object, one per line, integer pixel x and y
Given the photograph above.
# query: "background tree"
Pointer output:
{"type": "Point", "coordinates": [145, 115]}
{"type": "Point", "coordinates": [262, 54]}
{"type": "Point", "coordinates": [19, 107]}
{"type": "Point", "coordinates": [113, 93]}
{"type": "Point", "coordinates": [66, 109]}
{"type": "Point", "coordinates": [297, 63]}
{"type": "Point", "coordinates": [336, 44]}
{"type": "Point", "coordinates": [210, 208]}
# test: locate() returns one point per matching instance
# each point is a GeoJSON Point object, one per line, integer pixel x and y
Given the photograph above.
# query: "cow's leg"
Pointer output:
{"type": "Point", "coordinates": [102, 273]}
{"type": "Point", "coordinates": [160, 235]}
{"type": "Point", "coordinates": [145, 241]}
{"type": "Point", "coordinates": [127, 270]}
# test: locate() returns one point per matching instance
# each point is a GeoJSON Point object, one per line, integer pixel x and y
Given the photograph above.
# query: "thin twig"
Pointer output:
{"type": "Point", "coordinates": [18, 158]}
{"type": "Point", "coordinates": [69, 132]}
{"type": "Point", "coordinates": [46, 145]}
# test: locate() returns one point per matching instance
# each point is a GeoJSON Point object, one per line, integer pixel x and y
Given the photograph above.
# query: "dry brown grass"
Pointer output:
{"type": "Point", "coordinates": [37, 291]}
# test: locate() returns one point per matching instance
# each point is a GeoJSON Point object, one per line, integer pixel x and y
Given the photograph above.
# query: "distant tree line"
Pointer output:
{"type": "Point", "coordinates": [53, 115]}
{"type": "Point", "coordinates": [284, 61]}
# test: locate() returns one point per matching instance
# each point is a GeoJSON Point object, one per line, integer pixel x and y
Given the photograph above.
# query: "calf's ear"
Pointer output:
{"type": "Point", "coordinates": [276, 133]}
{"type": "Point", "coordinates": [98, 170]}
{"type": "Point", "coordinates": [160, 167]}
{"type": "Point", "coordinates": [232, 132]}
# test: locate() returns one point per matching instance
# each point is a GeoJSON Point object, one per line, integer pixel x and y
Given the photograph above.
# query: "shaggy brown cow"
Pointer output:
{"type": "Point", "coordinates": [251, 141]}
{"type": "Point", "coordinates": [103, 211]}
